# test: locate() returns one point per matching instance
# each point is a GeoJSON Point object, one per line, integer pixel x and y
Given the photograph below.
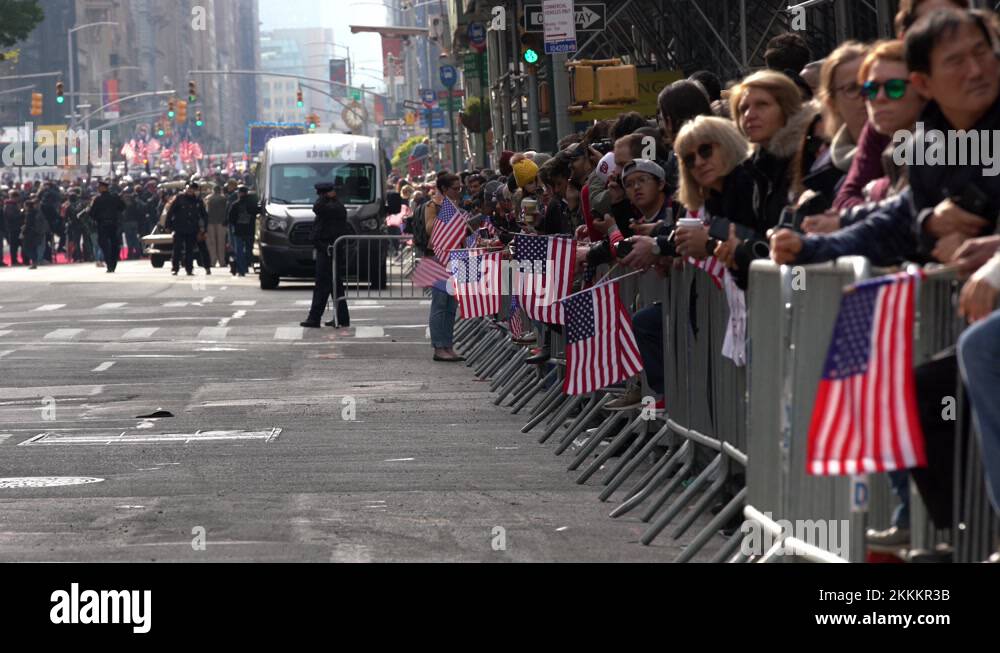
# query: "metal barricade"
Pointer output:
{"type": "Point", "coordinates": [377, 267]}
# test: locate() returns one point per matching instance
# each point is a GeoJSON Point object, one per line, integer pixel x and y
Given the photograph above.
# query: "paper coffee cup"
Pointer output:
{"type": "Point", "coordinates": [690, 223]}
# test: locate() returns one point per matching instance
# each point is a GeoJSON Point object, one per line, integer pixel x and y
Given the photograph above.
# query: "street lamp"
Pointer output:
{"type": "Point", "coordinates": [72, 58]}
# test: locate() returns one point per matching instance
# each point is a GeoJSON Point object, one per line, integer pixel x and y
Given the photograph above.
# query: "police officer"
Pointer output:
{"type": "Point", "coordinates": [186, 217]}
{"type": "Point", "coordinates": [106, 211]}
{"type": "Point", "coordinates": [331, 223]}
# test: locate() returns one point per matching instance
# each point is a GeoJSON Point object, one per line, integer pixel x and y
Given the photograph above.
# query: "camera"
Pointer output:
{"type": "Point", "coordinates": [623, 249]}
{"type": "Point", "coordinates": [603, 146]}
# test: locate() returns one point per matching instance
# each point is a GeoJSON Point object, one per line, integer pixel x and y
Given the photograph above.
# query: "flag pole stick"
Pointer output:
{"type": "Point", "coordinates": [603, 283]}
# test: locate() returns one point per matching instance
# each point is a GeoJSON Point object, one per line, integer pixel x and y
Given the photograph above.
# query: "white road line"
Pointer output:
{"type": "Point", "coordinates": [175, 304]}
{"type": "Point", "coordinates": [425, 302]}
{"type": "Point", "coordinates": [140, 334]}
{"type": "Point", "coordinates": [245, 302]}
{"type": "Point", "coordinates": [63, 334]}
{"type": "Point", "coordinates": [208, 300]}
{"type": "Point", "coordinates": [369, 332]}
{"type": "Point", "coordinates": [427, 334]}
{"type": "Point", "coordinates": [111, 306]}
{"type": "Point", "coordinates": [304, 302]}
{"type": "Point", "coordinates": [50, 307]}
{"type": "Point", "coordinates": [213, 333]}
{"type": "Point", "coordinates": [239, 314]}
{"type": "Point", "coordinates": [289, 333]}
{"type": "Point", "coordinates": [104, 367]}
{"type": "Point", "coordinates": [6, 353]}
{"type": "Point", "coordinates": [5, 333]}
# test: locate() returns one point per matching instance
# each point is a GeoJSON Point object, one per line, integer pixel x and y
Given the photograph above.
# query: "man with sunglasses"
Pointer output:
{"type": "Point", "coordinates": [952, 62]}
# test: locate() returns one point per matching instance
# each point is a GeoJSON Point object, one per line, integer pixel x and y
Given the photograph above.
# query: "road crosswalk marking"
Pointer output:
{"type": "Point", "coordinates": [6, 353]}
{"type": "Point", "coordinates": [111, 306]}
{"type": "Point", "coordinates": [4, 333]}
{"type": "Point", "coordinates": [245, 302]}
{"type": "Point", "coordinates": [213, 333]}
{"type": "Point", "coordinates": [50, 307]}
{"type": "Point", "coordinates": [63, 334]}
{"type": "Point", "coordinates": [176, 304]}
{"type": "Point", "coordinates": [103, 367]}
{"type": "Point", "coordinates": [140, 334]}
{"type": "Point", "coordinates": [289, 333]}
{"type": "Point", "coordinates": [369, 332]}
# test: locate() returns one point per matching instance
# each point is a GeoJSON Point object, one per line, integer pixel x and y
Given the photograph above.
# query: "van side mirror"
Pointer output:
{"type": "Point", "coordinates": [394, 203]}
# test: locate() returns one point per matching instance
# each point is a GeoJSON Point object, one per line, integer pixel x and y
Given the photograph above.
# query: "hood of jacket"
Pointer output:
{"type": "Point", "coordinates": [787, 140]}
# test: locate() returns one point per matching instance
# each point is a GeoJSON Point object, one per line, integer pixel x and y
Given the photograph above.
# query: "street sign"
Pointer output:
{"type": "Point", "coordinates": [428, 97]}
{"type": "Point", "coordinates": [355, 94]}
{"type": "Point", "coordinates": [393, 122]}
{"type": "Point", "coordinates": [415, 106]}
{"type": "Point", "coordinates": [449, 76]}
{"type": "Point", "coordinates": [477, 36]}
{"type": "Point", "coordinates": [259, 133]}
{"type": "Point", "coordinates": [559, 24]}
{"type": "Point", "coordinates": [437, 119]}
{"type": "Point", "coordinates": [590, 17]}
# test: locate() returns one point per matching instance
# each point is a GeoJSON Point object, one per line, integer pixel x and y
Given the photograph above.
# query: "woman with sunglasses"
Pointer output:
{"type": "Point", "coordinates": [892, 105]}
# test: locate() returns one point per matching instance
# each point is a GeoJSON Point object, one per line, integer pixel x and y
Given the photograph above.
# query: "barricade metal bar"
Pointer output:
{"type": "Point", "coordinates": [515, 382]}
{"type": "Point", "coordinates": [578, 427]}
{"type": "Point", "coordinates": [538, 413]}
{"type": "Point", "coordinates": [706, 498]}
{"type": "Point", "coordinates": [564, 412]}
{"type": "Point", "coordinates": [691, 434]}
{"type": "Point", "coordinates": [533, 390]}
{"type": "Point", "coordinates": [595, 439]}
{"type": "Point", "coordinates": [618, 476]}
{"type": "Point", "coordinates": [702, 538]}
{"type": "Point", "coordinates": [615, 446]}
{"type": "Point", "coordinates": [656, 476]}
{"type": "Point", "coordinates": [642, 437]}
{"type": "Point", "coordinates": [684, 497]}
{"type": "Point", "coordinates": [523, 390]}
{"type": "Point", "coordinates": [508, 370]}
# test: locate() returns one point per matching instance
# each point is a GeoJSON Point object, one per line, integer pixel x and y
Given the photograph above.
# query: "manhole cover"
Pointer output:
{"type": "Point", "coordinates": [46, 481]}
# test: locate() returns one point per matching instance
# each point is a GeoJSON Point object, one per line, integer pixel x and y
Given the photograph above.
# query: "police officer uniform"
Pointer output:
{"type": "Point", "coordinates": [106, 211]}
{"type": "Point", "coordinates": [331, 224]}
{"type": "Point", "coordinates": [186, 217]}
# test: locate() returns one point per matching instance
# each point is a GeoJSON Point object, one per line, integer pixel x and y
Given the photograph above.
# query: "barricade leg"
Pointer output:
{"type": "Point", "coordinates": [628, 465]}
{"type": "Point", "coordinates": [508, 370]}
{"type": "Point", "coordinates": [533, 390]}
{"type": "Point", "coordinates": [497, 350]}
{"type": "Point", "coordinates": [485, 344]}
{"type": "Point", "coordinates": [689, 492]}
{"type": "Point", "coordinates": [706, 499]}
{"type": "Point", "coordinates": [514, 382]}
{"type": "Point", "coordinates": [542, 410]}
{"type": "Point", "coordinates": [554, 391]}
{"type": "Point", "coordinates": [615, 445]}
{"type": "Point", "coordinates": [561, 416]}
{"type": "Point", "coordinates": [705, 534]}
{"type": "Point", "coordinates": [591, 443]}
{"type": "Point", "coordinates": [656, 476]}
{"type": "Point", "coordinates": [580, 424]}
{"type": "Point", "coordinates": [686, 495]}
{"type": "Point", "coordinates": [524, 387]}
{"type": "Point", "coordinates": [503, 355]}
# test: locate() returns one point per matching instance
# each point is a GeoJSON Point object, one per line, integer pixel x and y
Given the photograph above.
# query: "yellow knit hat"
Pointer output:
{"type": "Point", "coordinates": [525, 172]}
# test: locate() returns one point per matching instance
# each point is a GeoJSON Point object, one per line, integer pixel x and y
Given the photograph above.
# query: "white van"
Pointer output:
{"type": "Point", "coordinates": [289, 169]}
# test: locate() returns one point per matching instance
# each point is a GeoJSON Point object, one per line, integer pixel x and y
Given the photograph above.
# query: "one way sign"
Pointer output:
{"type": "Point", "coordinates": [590, 17]}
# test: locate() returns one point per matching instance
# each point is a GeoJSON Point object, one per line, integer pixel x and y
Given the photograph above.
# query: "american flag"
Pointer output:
{"type": "Point", "coordinates": [514, 321]}
{"type": "Point", "coordinates": [429, 273]}
{"type": "Point", "coordinates": [544, 275]}
{"type": "Point", "coordinates": [449, 229]}
{"type": "Point", "coordinates": [477, 282]}
{"type": "Point", "coordinates": [711, 265]}
{"type": "Point", "coordinates": [865, 415]}
{"type": "Point", "coordinates": [600, 347]}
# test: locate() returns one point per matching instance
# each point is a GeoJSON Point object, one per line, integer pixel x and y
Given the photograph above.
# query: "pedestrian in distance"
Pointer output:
{"type": "Point", "coordinates": [106, 210]}
{"type": "Point", "coordinates": [331, 224]}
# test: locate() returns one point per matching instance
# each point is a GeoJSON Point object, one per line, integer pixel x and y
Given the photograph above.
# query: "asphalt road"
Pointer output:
{"type": "Point", "coordinates": [428, 469]}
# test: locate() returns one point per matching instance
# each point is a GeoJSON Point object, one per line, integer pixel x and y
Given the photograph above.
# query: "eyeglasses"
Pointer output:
{"type": "Point", "coordinates": [634, 181]}
{"type": "Point", "coordinates": [851, 91]}
{"type": "Point", "coordinates": [895, 89]}
{"type": "Point", "coordinates": [705, 151]}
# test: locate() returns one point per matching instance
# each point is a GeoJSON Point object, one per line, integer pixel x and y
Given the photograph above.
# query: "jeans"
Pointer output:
{"type": "Point", "coordinates": [647, 325]}
{"type": "Point", "coordinates": [111, 244]}
{"type": "Point", "coordinates": [442, 323]}
{"type": "Point", "coordinates": [241, 251]}
{"type": "Point", "coordinates": [979, 360]}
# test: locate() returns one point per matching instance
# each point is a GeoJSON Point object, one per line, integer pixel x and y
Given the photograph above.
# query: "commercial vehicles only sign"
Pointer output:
{"type": "Point", "coordinates": [559, 26]}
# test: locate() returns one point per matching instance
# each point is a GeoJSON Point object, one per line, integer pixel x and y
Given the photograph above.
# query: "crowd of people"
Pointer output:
{"type": "Point", "coordinates": [103, 220]}
{"type": "Point", "coordinates": [796, 163]}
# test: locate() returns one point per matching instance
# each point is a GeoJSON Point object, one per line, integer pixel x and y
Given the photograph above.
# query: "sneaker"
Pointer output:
{"type": "Point", "coordinates": [890, 538]}
{"type": "Point", "coordinates": [631, 399]}
{"type": "Point", "coordinates": [174, 272]}
{"type": "Point", "coordinates": [309, 325]}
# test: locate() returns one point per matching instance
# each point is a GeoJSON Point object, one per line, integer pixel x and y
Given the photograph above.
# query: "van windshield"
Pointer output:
{"type": "Point", "coordinates": [295, 183]}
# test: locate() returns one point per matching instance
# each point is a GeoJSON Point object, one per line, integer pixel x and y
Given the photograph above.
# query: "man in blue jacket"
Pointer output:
{"type": "Point", "coordinates": [952, 198]}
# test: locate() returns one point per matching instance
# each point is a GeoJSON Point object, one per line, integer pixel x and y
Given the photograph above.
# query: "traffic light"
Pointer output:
{"type": "Point", "coordinates": [37, 99]}
{"type": "Point", "coordinates": [531, 46]}
{"type": "Point", "coordinates": [197, 120]}
{"type": "Point", "coordinates": [171, 109]}
{"type": "Point", "coordinates": [160, 129]}
{"type": "Point", "coordinates": [59, 93]}
{"type": "Point", "coordinates": [182, 111]}
{"type": "Point", "coordinates": [313, 121]}
{"type": "Point", "coordinates": [192, 92]}
{"type": "Point", "coordinates": [299, 99]}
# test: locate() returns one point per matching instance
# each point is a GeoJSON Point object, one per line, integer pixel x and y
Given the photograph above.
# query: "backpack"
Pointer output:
{"type": "Point", "coordinates": [421, 240]}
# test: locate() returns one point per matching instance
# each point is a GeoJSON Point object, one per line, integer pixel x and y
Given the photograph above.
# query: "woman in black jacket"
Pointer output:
{"type": "Point", "coordinates": [768, 109]}
{"type": "Point", "coordinates": [33, 233]}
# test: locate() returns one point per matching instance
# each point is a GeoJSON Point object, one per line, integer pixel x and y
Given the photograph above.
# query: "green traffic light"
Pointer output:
{"type": "Point", "coordinates": [60, 99]}
{"type": "Point", "coordinates": [171, 114]}
{"type": "Point", "coordinates": [75, 150]}
{"type": "Point", "coordinates": [160, 133]}
{"type": "Point", "coordinates": [530, 56]}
